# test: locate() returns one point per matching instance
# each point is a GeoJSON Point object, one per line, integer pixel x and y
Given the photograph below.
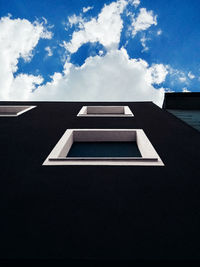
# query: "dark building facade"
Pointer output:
{"type": "Point", "coordinates": [98, 212]}
{"type": "Point", "coordinates": [185, 106]}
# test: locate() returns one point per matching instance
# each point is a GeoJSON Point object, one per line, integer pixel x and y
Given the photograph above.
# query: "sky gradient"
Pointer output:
{"type": "Point", "coordinates": [86, 50]}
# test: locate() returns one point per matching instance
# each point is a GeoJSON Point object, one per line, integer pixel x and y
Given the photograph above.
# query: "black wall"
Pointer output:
{"type": "Point", "coordinates": [187, 100]}
{"type": "Point", "coordinates": [98, 212]}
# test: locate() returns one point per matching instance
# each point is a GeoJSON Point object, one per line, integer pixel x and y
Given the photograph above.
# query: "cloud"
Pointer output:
{"type": "Point", "coordinates": [159, 32]}
{"type": "Point", "coordinates": [49, 51]}
{"type": "Point", "coordinates": [110, 76]}
{"type": "Point", "coordinates": [23, 85]}
{"type": "Point", "coordinates": [18, 38]}
{"type": "Point", "coordinates": [74, 20]}
{"type": "Point", "coordinates": [136, 3]}
{"type": "Point", "coordinates": [191, 75]}
{"type": "Point", "coordinates": [177, 75]}
{"type": "Point", "coordinates": [106, 29]}
{"type": "Point", "coordinates": [143, 43]}
{"type": "Point", "coordinates": [113, 77]}
{"type": "Point", "coordinates": [158, 73]}
{"type": "Point", "coordinates": [86, 9]}
{"type": "Point", "coordinates": [185, 90]}
{"type": "Point", "coordinates": [182, 79]}
{"type": "Point", "coordinates": [169, 90]}
{"type": "Point", "coordinates": [144, 20]}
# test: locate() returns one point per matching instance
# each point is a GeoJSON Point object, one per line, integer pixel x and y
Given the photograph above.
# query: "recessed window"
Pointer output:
{"type": "Point", "coordinates": [105, 111]}
{"type": "Point", "coordinates": [125, 147]}
{"type": "Point", "coordinates": [14, 111]}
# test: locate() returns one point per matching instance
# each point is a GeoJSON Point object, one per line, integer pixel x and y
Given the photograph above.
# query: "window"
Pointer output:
{"type": "Point", "coordinates": [14, 111]}
{"type": "Point", "coordinates": [105, 111]}
{"type": "Point", "coordinates": [125, 147]}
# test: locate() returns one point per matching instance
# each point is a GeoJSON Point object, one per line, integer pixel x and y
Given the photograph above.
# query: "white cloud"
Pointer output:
{"type": "Point", "coordinates": [105, 77]}
{"type": "Point", "coordinates": [191, 75]}
{"type": "Point", "coordinates": [74, 20]}
{"type": "Point", "coordinates": [185, 90]}
{"type": "Point", "coordinates": [143, 43]}
{"type": "Point", "coordinates": [23, 85]}
{"type": "Point", "coordinates": [113, 77]}
{"type": "Point", "coordinates": [18, 38]}
{"type": "Point", "coordinates": [49, 51]}
{"type": "Point", "coordinates": [159, 32]}
{"type": "Point", "coordinates": [135, 3]}
{"type": "Point", "coordinates": [158, 73]}
{"type": "Point", "coordinates": [182, 79]}
{"type": "Point", "coordinates": [144, 20]}
{"type": "Point", "coordinates": [106, 29]}
{"type": "Point", "coordinates": [177, 75]}
{"type": "Point", "coordinates": [86, 9]}
{"type": "Point", "coordinates": [169, 90]}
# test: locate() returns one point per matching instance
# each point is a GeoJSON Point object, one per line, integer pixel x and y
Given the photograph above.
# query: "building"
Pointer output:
{"type": "Point", "coordinates": [97, 211]}
{"type": "Point", "coordinates": [185, 106]}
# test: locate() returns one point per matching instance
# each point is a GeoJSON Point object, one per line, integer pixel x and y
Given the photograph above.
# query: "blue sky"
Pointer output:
{"type": "Point", "coordinates": [98, 50]}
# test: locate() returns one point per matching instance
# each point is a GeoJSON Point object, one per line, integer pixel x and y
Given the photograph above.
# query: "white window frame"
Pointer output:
{"type": "Point", "coordinates": [149, 156]}
{"type": "Point", "coordinates": [17, 110]}
{"type": "Point", "coordinates": [100, 111]}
